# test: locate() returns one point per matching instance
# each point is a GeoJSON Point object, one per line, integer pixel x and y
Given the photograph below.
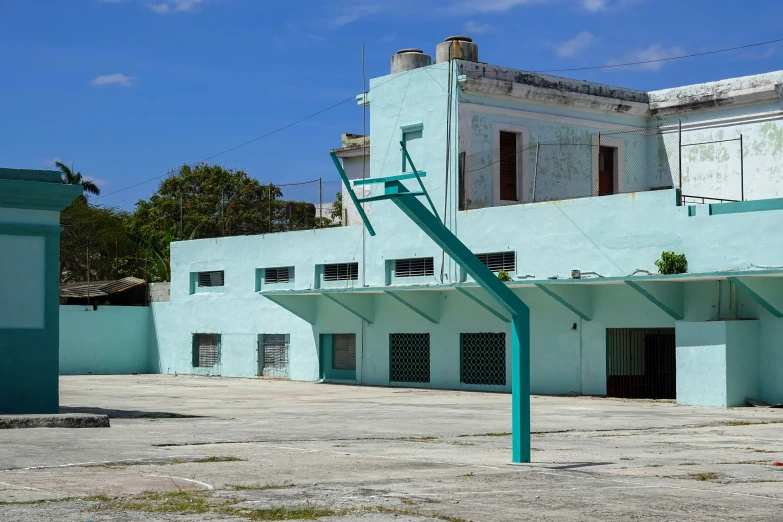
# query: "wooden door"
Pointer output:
{"type": "Point", "coordinates": [606, 161]}
{"type": "Point", "coordinates": [508, 166]}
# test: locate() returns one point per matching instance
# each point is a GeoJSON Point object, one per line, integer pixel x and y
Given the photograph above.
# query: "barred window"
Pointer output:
{"type": "Point", "coordinates": [214, 278]}
{"type": "Point", "coordinates": [344, 352]}
{"type": "Point", "coordinates": [206, 350]}
{"type": "Point", "coordinates": [282, 274]}
{"type": "Point", "coordinates": [497, 261]}
{"type": "Point", "coordinates": [414, 267]}
{"type": "Point", "coordinates": [409, 357]}
{"type": "Point", "coordinates": [341, 272]}
{"type": "Point", "coordinates": [274, 357]}
{"type": "Point", "coordinates": [483, 358]}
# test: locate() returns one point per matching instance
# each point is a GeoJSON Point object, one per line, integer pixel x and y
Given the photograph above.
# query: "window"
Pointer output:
{"type": "Point", "coordinates": [483, 358]}
{"type": "Point", "coordinates": [508, 166]}
{"type": "Point", "coordinates": [210, 278]}
{"type": "Point", "coordinates": [341, 272]}
{"type": "Point", "coordinates": [206, 350]}
{"type": "Point", "coordinates": [497, 261]}
{"type": "Point", "coordinates": [409, 357]}
{"type": "Point", "coordinates": [284, 274]}
{"type": "Point", "coordinates": [344, 352]}
{"type": "Point", "coordinates": [412, 137]}
{"type": "Point", "coordinates": [414, 267]}
{"type": "Point", "coordinates": [273, 358]}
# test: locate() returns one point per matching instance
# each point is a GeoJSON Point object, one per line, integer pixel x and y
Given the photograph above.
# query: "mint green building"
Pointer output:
{"type": "Point", "coordinates": [30, 205]}
{"type": "Point", "coordinates": [573, 189]}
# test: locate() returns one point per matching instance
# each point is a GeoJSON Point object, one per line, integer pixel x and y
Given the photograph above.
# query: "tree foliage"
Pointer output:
{"type": "Point", "coordinates": [75, 178]}
{"type": "Point", "coordinates": [95, 236]}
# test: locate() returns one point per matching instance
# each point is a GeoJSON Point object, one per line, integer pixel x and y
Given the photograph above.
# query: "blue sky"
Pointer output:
{"type": "Point", "coordinates": [127, 89]}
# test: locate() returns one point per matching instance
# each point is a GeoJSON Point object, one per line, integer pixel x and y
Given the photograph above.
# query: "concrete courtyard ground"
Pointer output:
{"type": "Point", "coordinates": [184, 448]}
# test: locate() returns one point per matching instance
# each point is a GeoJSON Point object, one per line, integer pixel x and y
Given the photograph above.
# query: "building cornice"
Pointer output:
{"type": "Point", "coordinates": [37, 195]}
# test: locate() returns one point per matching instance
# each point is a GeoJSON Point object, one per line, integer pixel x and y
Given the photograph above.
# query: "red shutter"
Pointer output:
{"type": "Point", "coordinates": [508, 166]}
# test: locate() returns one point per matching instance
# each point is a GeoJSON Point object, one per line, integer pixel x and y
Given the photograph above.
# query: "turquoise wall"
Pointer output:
{"type": "Point", "coordinates": [110, 340]}
{"type": "Point", "coordinates": [718, 362]}
{"type": "Point", "coordinates": [30, 202]}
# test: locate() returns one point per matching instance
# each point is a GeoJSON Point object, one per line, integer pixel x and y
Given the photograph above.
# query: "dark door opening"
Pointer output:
{"type": "Point", "coordinates": [606, 163]}
{"type": "Point", "coordinates": [641, 363]}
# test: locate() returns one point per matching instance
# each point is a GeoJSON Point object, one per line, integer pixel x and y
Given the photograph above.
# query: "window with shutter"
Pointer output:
{"type": "Point", "coordinates": [341, 272]}
{"type": "Point", "coordinates": [274, 357]}
{"type": "Point", "coordinates": [206, 350]}
{"type": "Point", "coordinates": [497, 261]}
{"type": "Point", "coordinates": [414, 267]}
{"type": "Point", "coordinates": [214, 278]}
{"type": "Point", "coordinates": [508, 166]}
{"type": "Point", "coordinates": [344, 352]}
{"type": "Point", "coordinates": [284, 274]}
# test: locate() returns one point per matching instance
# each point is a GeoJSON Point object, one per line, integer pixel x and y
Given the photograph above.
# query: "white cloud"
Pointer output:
{"type": "Point", "coordinates": [354, 11]}
{"type": "Point", "coordinates": [492, 6]}
{"type": "Point", "coordinates": [176, 6]}
{"type": "Point", "coordinates": [98, 181]}
{"type": "Point", "coordinates": [472, 27]}
{"type": "Point", "coordinates": [49, 162]}
{"type": "Point", "coordinates": [576, 45]}
{"type": "Point", "coordinates": [114, 79]}
{"type": "Point", "coordinates": [649, 54]}
{"type": "Point", "coordinates": [595, 5]}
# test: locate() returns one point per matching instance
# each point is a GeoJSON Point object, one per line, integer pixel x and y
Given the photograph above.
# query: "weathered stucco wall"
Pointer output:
{"type": "Point", "coordinates": [112, 340]}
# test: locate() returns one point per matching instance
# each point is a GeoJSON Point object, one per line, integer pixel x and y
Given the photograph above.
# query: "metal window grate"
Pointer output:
{"type": "Point", "coordinates": [214, 278]}
{"type": "Point", "coordinates": [341, 272]}
{"type": "Point", "coordinates": [283, 274]}
{"type": "Point", "coordinates": [206, 350]}
{"type": "Point", "coordinates": [274, 356]}
{"type": "Point", "coordinates": [483, 358]}
{"type": "Point", "coordinates": [344, 352]}
{"type": "Point", "coordinates": [409, 357]}
{"type": "Point", "coordinates": [497, 261]}
{"type": "Point", "coordinates": [414, 267]}
{"type": "Point", "coordinates": [641, 363]}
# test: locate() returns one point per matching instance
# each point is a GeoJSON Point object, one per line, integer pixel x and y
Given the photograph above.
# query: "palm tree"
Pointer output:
{"type": "Point", "coordinates": [69, 178]}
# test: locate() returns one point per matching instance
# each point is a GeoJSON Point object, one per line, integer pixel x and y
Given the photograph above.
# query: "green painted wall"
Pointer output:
{"type": "Point", "coordinates": [112, 340]}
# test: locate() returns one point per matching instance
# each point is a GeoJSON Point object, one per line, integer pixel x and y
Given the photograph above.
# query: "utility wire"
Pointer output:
{"type": "Point", "coordinates": [270, 133]}
{"type": "Point", "coordinates": [662, 59]}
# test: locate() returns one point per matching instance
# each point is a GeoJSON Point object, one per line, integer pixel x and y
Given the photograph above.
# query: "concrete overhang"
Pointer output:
{"type": "Point", "coordinates": [663, 291]}
{"type": "Point", "coordinates": [718, 100]}
{"type": "Point", "coordinates": [526, 92]}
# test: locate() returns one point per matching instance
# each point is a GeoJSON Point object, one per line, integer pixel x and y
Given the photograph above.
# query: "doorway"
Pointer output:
{"type": "Point", "coordinates": [641, 363]}
{"type": "Point", "coordinates": [607, 159]}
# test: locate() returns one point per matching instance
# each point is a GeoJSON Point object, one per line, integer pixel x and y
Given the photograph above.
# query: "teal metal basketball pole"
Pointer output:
{"type": "Point", "coordinates": [429, 222]}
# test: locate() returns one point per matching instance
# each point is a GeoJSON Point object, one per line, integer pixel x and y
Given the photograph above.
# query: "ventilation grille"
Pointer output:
{"type": "Point", "coordinates": [344, 352]}
{"type": "Point", "coordinates": [341, 272]}
{"type": "Point", "coordinates": [497, 261]}
{"type": "Point", "coordinates": [483, 358]}
{"type": "Point", "coordinates": [210, 278]}
{"type": "Point", "coordinates": [414, 267]}
{"type": "Point", "coordinates": [278, 275]}
{"type": "Point", "coordinates": [206, 350]}
{"type": "Point", "coordinates": [274, 357]}
{"type": "Point", "coordinates": [410, 357]}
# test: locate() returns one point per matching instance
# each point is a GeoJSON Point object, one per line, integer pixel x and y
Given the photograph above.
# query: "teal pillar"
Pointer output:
{"type": "Point", "coordinates": [520, 387]}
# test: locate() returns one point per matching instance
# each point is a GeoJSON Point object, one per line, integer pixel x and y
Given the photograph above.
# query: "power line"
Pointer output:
{"type": "Point", "coordinates": [313, 115]}
{"type": "Point", "coordinates": [662, 59]}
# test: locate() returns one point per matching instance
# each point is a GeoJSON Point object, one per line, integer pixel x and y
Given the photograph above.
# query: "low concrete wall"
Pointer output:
{"type": "Point", "coordinates": [110, 340]}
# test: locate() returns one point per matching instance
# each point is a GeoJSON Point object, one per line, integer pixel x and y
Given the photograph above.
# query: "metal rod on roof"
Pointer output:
{"type": "Point", "coordinates": [742, 172]}
{"type": "Point", "coordinates": [320, 204]}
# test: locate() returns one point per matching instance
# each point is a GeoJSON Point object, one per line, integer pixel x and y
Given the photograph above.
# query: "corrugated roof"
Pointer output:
{"type": "Point", "coordinates": [99, 288]}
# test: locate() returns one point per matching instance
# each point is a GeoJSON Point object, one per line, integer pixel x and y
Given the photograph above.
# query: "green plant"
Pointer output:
{"type": "Point", "coordinates": [671, 263]}
{"type": "Point", "coordinates": [504, 276]}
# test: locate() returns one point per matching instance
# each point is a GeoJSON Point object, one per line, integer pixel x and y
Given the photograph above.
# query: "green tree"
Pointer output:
{"type": "Point", "coordinates": [75, 178]}
{"type": "Point", "coordinates": [337, 207]}
{"type": "Point", "coordinates": [95, 237]}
